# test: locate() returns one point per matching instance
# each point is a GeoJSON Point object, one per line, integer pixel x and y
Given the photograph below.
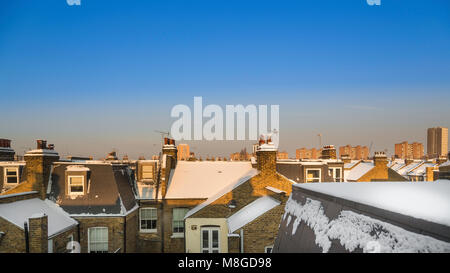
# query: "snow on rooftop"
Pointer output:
{"type": "Point", "coordinates": [409, 167]}
{"type": "Point", "coordinates": [20, 211]}
{"type": "Point", "coordinates": [232, 184]}
{"type": "Point", "coordinates": [250, 212]}
{"type": "Point", "coordinates": [424, 200]}
{"type": "Point", "coordinates": [351, 164]}
{"type": "Point", "coordinates": [77, 168]}
{"type": "Point", "coordinates": [42, 152]}
{"type": "Point", "coordinates": [203, 179]}
{"type": "Point", "coordinates": [421, 170]}
{"type": "Point", "coordinates": [446, 163]}
{"type": "Point", "coordinates": [398, 166]}
{"type": "Point", "coordinates": [353, 230]}
{"type": "Point", "coordinates": [358, 171]}
{"type": "Point", "coordinates": [275, 190]}
{"type": "Point", "coordinates": [267, 147]}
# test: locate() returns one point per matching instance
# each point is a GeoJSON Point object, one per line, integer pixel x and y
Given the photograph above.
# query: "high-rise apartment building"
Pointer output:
{"type": "Point", "coordinates": [355, 153]}
{"type": "Point", "coordinates": [304, 153]}
{"type": "Point", "coordinates": [405, 150]}
{"type": "Point", "coordinates": [437, 142]}
{"type": "Point", "coordinates": [183, 152]}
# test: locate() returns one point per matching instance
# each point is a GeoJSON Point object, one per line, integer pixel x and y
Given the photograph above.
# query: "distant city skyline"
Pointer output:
{"type": "Point", "coordinates": [95, 77]}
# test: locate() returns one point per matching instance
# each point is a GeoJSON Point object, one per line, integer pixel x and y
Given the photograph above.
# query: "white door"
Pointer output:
{"type": "Point", "coordinates": [210, 240]}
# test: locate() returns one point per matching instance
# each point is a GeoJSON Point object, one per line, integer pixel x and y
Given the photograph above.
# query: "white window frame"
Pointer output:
{"type": "Point", "coordinates": [313, 169]}
{"type": "Point", "coordinates": [89, 237]}
{"type": "Point", "coordinates": [334, 173]}
{"type": "Point", "coordinates": [267, 247]}
{"type": "Point", "coordinates": [69, 185]}
{"type": "Point", "coordinates": [178, 234]}
{"type": "Point", "coordinates": [5, 175]}
{"type": "Point", "coordinates": [153, 230]}
{"type": "Point", "coordinates": [210, 248]}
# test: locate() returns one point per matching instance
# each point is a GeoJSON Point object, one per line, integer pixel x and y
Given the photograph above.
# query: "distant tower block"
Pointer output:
{"type": "Point", "coordinates": [6, 153]}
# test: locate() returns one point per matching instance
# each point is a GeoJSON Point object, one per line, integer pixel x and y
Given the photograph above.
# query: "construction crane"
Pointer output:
{"type": "Point", "coordinates": [162, 135]}
{"type": "Point", "coordinates": [370, 147]}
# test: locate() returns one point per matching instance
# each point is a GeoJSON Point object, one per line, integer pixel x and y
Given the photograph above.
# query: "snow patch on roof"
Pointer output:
{"type": "Point", "coordinates": [429, 201]}
{"type": "Point", "coordinates": [250, 212]}
{"type": "Point", "coordinates": [20, 211]}
{"type": "Point", "coordinates": [77, 168]}
{"type": "Point", "coordinates": [234, 184]}
{"type": "Point", "coordinates": [358, 171]}
{"type": "Point", "coordinates": [355, 230]}
{"type": "Point", "coordinates": [410, 167]}
{"type": "Point", "coordinates": [203, 179]}
{"type": "Point", "coordinates": [275, 190]}
{"type": "Point", "coordinates": [421, 170]}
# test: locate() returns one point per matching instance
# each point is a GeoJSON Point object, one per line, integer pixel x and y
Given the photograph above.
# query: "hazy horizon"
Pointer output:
{"type": "Point", "coordinates": [99, 76]}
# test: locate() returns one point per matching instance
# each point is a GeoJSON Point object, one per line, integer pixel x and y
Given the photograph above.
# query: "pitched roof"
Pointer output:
{"type": "Point", "coordinates": [405, 170]}
{"type": "Point", "coordinates": [229, 187]}
{"type": "Point", "coordinates": [203, 179]}
{"type": "Point", "coordinates": [421, 170]}
{"type": "Point", "coordinates": [358, 171]}
{"type": "Point", "coordinates": [20, 211]}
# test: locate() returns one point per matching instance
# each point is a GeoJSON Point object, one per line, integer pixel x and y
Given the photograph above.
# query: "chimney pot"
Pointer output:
{"type": "Point", "coordinates": [41, 144]}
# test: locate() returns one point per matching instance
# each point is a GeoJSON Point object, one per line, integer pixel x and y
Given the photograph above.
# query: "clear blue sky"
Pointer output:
{"type": "Point", "coordinates": [106, 74]}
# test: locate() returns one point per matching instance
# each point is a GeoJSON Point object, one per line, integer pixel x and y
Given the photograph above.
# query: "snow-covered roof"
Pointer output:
{"type": "Point", "coordinates": [275, 190]}
{"type": "Point", "coordinates": [358, 171]}
{"type": "Point", "coordinates": [267, 147]}
{"type": "Point", "coordinates": [203, 179]}
{"type": "Point", "coordinates": [77, 168]}
{"type": "Point", "coordinates": [421, 170]}
{"type": "Point", "coordinates": [250, 212]}
{"type": "Point", "coordinates": [397, 166]}
{"type": "Point", "coordinates": [20, 211]}
{"type": "Point", "coordinates": [351, 164]}
{"type": "Point", "coordinates": [46, 152]}
{"type": "Point", "coordinates": [229, 187]}
{"type": "Point", "coordinates": [405, 170]}
{"type": "Point", "coordinates": [396, 161]}
{"type": "Point", "coordinates": [424, 200]}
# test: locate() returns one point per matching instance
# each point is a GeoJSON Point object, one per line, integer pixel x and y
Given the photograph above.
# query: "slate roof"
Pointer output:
{"type": "Point", "coordinates": [110, 190]}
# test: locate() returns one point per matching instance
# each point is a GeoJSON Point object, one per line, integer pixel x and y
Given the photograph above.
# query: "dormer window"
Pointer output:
{"type": "Point", "coordinates": [11, 175]}
{"type": "Point", "coordinates": [77, 180]}
{"type": "Point", "coordinates": [76, 184]}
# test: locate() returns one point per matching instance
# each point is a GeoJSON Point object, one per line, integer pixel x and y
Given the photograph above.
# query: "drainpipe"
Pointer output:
{"type": "Point", "coordinates": [242, 240]}
{"type": "Point", "coordinates": [125, 234]}
{"type": "Point", "coordinates": [27, 242]}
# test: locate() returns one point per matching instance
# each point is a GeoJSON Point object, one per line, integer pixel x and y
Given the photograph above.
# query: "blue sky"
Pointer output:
{"type": "Point", "coordinates": [106, 74]}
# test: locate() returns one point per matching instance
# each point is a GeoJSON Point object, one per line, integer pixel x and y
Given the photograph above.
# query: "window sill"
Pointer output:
{"type": "Point", "coordinates": [148, 231]}
{"type": "Point", "coordinates": [177, 235]}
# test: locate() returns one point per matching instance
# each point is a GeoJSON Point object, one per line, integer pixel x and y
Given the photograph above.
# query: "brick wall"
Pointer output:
{"type": "Point", "coordinates": [14, 239]}
{"type": "Point", "coordinates": [115, 227]}
{"type": "Point", "coordinates": [38, 234]}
